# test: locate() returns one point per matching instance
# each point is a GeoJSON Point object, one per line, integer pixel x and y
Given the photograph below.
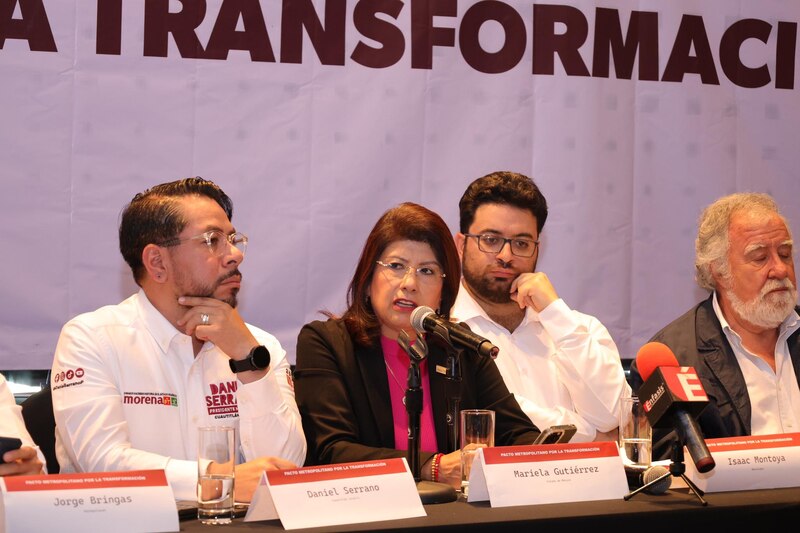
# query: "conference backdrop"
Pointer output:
{"type": "Point", "coordinates": [316, 116]}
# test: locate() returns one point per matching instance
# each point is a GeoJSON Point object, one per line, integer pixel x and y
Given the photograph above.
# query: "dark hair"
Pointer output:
{"type": "Point", "coordinates": [502, 187]}
{"type": "Point", "coordinates": [407, 221]}
{"type": "Point", "coordinates": [154, 216]}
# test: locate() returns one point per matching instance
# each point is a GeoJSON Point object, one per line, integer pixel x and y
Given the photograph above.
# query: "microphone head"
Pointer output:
{"type": "Point", "coordinates": [418, 317]}
{"type": "Point", "coordinates": [653, 355]}
{"type": "Point", "coordinates": [651, 474]}
{"type": "Point", "coordinates": [641, 475]}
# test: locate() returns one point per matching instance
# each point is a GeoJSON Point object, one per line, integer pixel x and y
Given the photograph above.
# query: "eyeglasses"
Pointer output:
{"type": "Point", "coordinates": [396, 271]}
{"type": "Point", "coordinates": [488, 242]}
{"type": "Point", "coordinates": [215, 240]}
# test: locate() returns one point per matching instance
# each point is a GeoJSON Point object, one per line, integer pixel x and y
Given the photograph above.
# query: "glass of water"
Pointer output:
{"type": "Point", "coordinates": [635, 434]}
{"type": "Point", "coordinates": [476, 431]}
{"type": "Point", "coordinates": [216, 454]}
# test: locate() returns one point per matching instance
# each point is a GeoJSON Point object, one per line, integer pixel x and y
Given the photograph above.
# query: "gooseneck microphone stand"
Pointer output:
{"type": "Point", "coordinates": [676, 469]}
{"type": "Point", "coordinates": [429, 491]}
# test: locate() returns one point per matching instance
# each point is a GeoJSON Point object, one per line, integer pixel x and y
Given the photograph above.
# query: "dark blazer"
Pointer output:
{"type": "Point", "coordinates": [343, 394]}
{"type": "Point", "coordinates": [697, 340]}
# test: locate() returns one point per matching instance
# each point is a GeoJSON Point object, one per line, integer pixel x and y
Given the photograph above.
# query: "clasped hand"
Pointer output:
{"type": "Point", "coordinates": [225, 327]}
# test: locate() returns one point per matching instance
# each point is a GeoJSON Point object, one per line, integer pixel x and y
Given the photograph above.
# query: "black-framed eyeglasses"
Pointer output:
{"type": "Point", "coordinates": [216, 240]}
{"type": "Point", "coordinates": [396, 271]}
{"type": "Point", "coordinates": [491, 243]}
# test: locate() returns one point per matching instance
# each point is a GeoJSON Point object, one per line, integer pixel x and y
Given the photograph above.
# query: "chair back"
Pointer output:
{"type": "Point", "coordinates": [37, 411]}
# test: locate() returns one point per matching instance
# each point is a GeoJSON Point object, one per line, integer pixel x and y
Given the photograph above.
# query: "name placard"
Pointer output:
{"type": "Point", "coordinates": [553, 473]}
{"type": "Point", "coordinates": [746, 463]}
{"type": "Point", "coordinates": [139, 500]}
{"type": "Point", "coordinates": [345, 493]}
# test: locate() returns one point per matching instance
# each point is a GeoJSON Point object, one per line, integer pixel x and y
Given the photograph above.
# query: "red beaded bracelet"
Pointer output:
{"type": "Point", "coordinates": [435, 466]}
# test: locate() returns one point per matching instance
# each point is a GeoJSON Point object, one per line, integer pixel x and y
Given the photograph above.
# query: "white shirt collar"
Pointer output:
{"type": "Point", "coordinates": [157, 324]}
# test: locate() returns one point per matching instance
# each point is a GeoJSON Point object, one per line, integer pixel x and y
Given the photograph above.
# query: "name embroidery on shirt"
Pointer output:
{"type": "Point", "coordinates": [222, 400]}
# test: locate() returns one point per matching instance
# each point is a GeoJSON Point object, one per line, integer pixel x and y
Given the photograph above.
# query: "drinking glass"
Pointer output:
{"type": "Point", "coordinates": [216, 454]}
{"type": "Point", "coordinates": [476, 431]}
{"type": "Point", "coordinates": [635, 433]}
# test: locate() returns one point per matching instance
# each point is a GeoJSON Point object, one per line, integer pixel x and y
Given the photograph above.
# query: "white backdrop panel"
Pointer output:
{"type": "Point", "coordinates": [313, 153]}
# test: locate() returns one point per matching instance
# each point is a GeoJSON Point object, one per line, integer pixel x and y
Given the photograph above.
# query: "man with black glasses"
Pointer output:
{"type": "Point", "coordinates": [132, 382]}
{"type": "Point", "coordinates": [562, 366]}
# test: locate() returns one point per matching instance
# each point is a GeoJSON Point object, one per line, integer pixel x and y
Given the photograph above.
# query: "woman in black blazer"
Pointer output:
{"type": "Point", "coordinates": [350, 373]}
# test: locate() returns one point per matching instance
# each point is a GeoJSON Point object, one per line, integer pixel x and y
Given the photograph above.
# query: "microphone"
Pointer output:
{"type": "Point", "coordinates": [672, 396]}
{"type": "Point", "coordinates": [425, 319]}
{"type": "Point", "coordinates": [642, 475]}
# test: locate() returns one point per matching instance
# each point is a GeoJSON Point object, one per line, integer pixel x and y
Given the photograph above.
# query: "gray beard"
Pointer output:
{"type": "Point", "coordinates": [766, 311]}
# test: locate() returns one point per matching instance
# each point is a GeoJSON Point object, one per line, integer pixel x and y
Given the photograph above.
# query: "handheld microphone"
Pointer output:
{"type": "Point", "coordinates": [641, 476]}
{"type": "Point", "coordinates": [672, 396]}
{"type": "Point", "coordinates": [425, 319]}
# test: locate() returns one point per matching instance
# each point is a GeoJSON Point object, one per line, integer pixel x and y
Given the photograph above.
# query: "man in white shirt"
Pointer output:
{"type": "Point", "coordinates": [562, 366]}
{"type": "Point", "coordinates": [28, 459]}
{"type": "Point", "coordinates": [132, 382]}
{"type": "Point", "coordinates": [744, 339]}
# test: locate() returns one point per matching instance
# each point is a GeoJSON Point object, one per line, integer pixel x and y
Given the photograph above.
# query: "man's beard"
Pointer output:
{"type": "Point", "coordinates": [489, 288]}
{"type": "Point", "coordinates": [207, 291]}
{"type": "Point", "coordinates": [766, 310]}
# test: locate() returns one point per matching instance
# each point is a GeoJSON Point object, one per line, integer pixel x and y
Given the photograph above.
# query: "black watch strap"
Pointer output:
{"type": "Point", "coordinates": [257, 359]}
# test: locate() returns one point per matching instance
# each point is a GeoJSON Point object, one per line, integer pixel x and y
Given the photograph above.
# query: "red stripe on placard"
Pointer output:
{"type": "Point", "coordinates": [311, 474]}
{"type": "Point", "coordinates": [549, 452]}
{"type": "Point", "coordinates": [753, 442]}
{"type": "Point", "coordinates": [93, 480]}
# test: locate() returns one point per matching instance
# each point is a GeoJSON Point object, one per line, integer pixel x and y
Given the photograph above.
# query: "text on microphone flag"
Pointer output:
{"type": "Point", "coordinates": [684, 383]}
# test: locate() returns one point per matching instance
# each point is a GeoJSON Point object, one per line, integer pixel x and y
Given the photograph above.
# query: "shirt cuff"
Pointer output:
{"type": "Point", "coordinates": [182, 476]}
{"type": "Point", "coordinates": [263, 393]}
{"type": "Point", "coordinates": [558, 319]}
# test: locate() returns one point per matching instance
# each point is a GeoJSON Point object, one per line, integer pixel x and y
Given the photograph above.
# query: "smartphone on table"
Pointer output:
{"type": "Point", "coordinates": [556, 434]}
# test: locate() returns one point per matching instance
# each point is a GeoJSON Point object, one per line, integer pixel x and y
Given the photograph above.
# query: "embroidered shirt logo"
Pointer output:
{"type": "Point", "coordinates": [150, 398]}
{"type": "Point", "coordinates": [68, 378]}
{"type": "Point", "coordinates": [222, 400]}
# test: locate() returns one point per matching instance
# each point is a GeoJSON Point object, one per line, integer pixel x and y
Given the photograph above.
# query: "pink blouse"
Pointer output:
{"type": "Point", "coordinates": [397, 362]}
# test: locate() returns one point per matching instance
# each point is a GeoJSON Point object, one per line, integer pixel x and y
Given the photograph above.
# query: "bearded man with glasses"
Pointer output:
{"type": "Point", "coordinates": [133, 382]}
{"type": "Point", "coordinates": [562, 366]}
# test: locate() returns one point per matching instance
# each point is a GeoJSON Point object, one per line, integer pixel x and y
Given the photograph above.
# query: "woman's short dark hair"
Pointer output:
{"type": "Point", "coordinates": [411, 222]}
{"type": "Point", "coordinates": [154, 216]}
{"type": "Point", "coordinates": [503, 187]}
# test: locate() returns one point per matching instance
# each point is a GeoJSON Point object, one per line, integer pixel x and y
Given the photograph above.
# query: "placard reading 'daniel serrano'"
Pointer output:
{"type": "Point", "coordinates": [346, 493]}
{"type": "Point", "coordinates": [552, 473]}
{"type": "Point", "coordinates": [139, 500]}
{"type": "Point", "coordinates": [746, 463]}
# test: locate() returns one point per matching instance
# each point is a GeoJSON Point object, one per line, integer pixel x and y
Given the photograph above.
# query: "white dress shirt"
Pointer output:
{"type": "Point", "coordinates": [129, 394]}
{"type": "Point", "coordinates": [562, 366]}
{"type": "Point", "coordinates": [774, 395]}
{"type": "Point", "coordinates": [11, 422]}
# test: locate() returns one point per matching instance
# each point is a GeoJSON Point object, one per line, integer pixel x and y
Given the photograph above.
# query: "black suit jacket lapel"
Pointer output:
{"type": "Point", "coordinates": [794, 349]}
{"type": "Point", "coordinates": [376, 385]}
{"type": "Point", "coordinates": [716, 353]}
{"type": "Point", "coordinates": [443, 390]}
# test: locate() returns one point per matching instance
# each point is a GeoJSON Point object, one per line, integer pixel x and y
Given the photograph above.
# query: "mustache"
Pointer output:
{"type": "Point", "coordinates": [774, 284]}
{"type": "Point", "coordinates": [232, 273]}
{"type": "Point", "coordinates": [504, 264]}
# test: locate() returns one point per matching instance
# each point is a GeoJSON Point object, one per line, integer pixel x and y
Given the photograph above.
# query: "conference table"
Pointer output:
{"type": "Point", "coordinates": [677, 511]}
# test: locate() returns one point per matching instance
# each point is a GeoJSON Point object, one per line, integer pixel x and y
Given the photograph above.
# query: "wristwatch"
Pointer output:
{"type": "Point", "coordinates": [257, 359]}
